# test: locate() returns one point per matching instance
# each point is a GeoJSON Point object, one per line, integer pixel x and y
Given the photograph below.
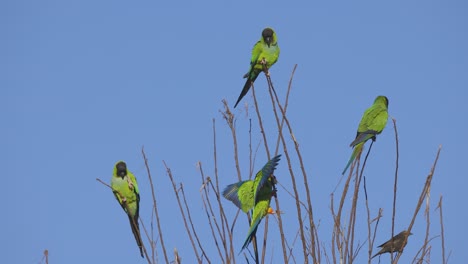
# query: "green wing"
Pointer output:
{"type": "Point", "coordinates": [241, 194]}
{"type": "Point", "coordinates": [135, 204]}
{"type": "Point", "coordinates": [134, 181]}
{"type": "Point", "coordinates": [254, 60]}
{"type": "Point", "coordinates": [375, 117]}
{"type": "Point", "coordinates": [262, 179]}
{"type": "Point", "coordinates": [379, 121]}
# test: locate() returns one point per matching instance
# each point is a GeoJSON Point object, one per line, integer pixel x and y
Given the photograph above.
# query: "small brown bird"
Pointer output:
{"type": "Point", "coordinates": [399, 243]}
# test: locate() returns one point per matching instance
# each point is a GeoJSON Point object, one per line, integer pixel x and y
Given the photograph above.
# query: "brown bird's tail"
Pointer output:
{"type": "Point", "coordinates": [378, 253]}
{"type": "Point", "coordinates": [136, 233]}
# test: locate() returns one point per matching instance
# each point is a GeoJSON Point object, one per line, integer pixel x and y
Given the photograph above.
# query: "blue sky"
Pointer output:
{"type": "Point", "coordinates": [88, 83]}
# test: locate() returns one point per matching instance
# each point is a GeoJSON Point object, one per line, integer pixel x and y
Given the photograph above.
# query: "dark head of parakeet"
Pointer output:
{"type": "Point", "coordinates": [382, 99]}
{"type": "Point", "coordinates": [121, 169]}
{"type": "Point", "coordinates": [267, 35]}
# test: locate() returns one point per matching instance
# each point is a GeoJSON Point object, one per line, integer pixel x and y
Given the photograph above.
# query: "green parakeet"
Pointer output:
{"type": "Point", "coordinates": [265, 53]}
{"type": "Point", "coordinates": [243, 193]}
{"type": "Point", "coordinates": [372, 123]}
{"type": "Point", "coordinates": [125, 188]}
{"type": "Point", "coordinates": [254, 194]}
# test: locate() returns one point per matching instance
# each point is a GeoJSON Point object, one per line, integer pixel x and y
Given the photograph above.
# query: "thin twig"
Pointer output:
{"type": "Point", "coordinates": [420, 251]}
{"type": "Point", "coordinates": [229, 117]}
{"type": "Point", "coordinates": [369, 233]}
{"type": "Point", "coordinates": [338, 238]}
{"type": "Point", "coordinates": [191, 224]}
{"type": "Point", "coordinates": [428, 224]}
{"type": "Point", "coordinates": [147, 235]}
{"type": "Point", "coordinates": [177, 259]}
{"type": "Point", "coordinates": [221, 209]}
{"type": "Point", "coordinates": [352, 219]}
{"type": "Point", "coordinates": [265, 143]}
{"type": "Point", "coordinates": [377, 218]}
{"type": "Point", "coordinates": [291, 172]}
{"type": "Point", "coordinates": [338, 235]}
{"type": "Point", "coordinates": [154, 206]}
{"type": "Point", "coordinates": [260, 123]}
{"type": "Point", "coordinates": [223, 218]}
{"type": "Point", "coordinates": [46, 256]}
{"type": "Point", "coordinates": [315, 247]}
{"type": "Point", "coordinates": [424, 191]}
{"type": "Point", "coordinates": [395, 183]}
{"type": "Point", "coordinates": [207, 211]}
{"type": "Point", "coordinates": [442, 235]}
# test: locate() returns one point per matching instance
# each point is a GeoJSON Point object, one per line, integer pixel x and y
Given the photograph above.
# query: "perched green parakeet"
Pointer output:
{"type": "Point", "coordinates": [265, 53]}
{"type": "Point", "coordinates": [372, 123]}
{"type": "Point", "coordinates": [125, 188]}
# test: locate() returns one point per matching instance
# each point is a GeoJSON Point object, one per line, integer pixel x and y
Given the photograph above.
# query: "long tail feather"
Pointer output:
{"type": "Point", "coordinates": [357, 149]}
{"type": "Point", "coordinates": [378, 253]}
{"type": "Point", "coordinates": [251, 234]}
{"type": "Point", "coordinates": [136, 233]}
{"type": "Point", "coordinates": [250, 79]}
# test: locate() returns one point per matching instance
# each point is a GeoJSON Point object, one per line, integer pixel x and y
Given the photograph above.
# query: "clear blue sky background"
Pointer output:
{"type": "Point", "coordinates": [87, 83]}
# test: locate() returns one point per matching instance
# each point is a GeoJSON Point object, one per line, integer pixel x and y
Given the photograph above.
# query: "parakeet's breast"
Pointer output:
{"type": "Point", "coordinates": [119, 183]}
{"type": "Point", "coordinates": [124, 188]}
{"type": "Point", "coordinates": [270, 54]}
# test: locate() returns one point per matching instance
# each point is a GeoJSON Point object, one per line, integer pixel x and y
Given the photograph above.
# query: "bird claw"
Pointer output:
{"type": "Point", "coordinates": [263, 62]}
